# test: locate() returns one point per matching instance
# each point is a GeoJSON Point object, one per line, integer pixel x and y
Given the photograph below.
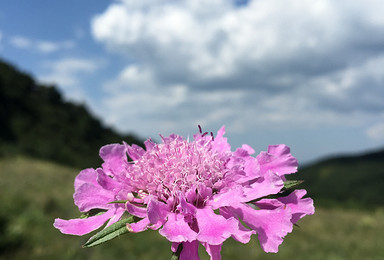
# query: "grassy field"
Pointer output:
{"type": "Point", "coordinates": [34, 192]}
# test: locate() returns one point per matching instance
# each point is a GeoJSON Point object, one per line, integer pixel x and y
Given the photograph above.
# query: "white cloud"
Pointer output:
{"type": "Point", "coordinates": [218, 39]}
{"type": "Point", "coordinates": [268, 63]}
{"type": "Point", "coordinates": [48, 47]}
{"type": "Point", "coordinates": [376, 132]}
{"type": "Point", "coordinates": [20, 42]}
{"type": "Point", "coordinates": [134, 98]}
{"type": "Point", "coordinates": [67, 74]}
{"type": "Point", "coordinates": [41, 46]}
{"type": "Point", "coordinates": [354, 88]}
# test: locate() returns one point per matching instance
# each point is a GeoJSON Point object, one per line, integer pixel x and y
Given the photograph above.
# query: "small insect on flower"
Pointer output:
{"type": "Point", "coordinates": [194, 192]}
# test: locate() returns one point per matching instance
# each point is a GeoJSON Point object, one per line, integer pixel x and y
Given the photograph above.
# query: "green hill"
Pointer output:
{"type": "Point", "coordinates": [36, 121]}
{"type": "Point", "coordinates": [352, 181]}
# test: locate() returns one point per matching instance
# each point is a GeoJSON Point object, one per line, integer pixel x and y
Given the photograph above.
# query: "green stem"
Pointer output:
{"type": "Point", "coordinates": [176, 255]}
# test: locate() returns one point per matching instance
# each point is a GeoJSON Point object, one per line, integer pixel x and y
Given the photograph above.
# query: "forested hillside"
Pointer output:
{"type": "Point", "coordinates": [352, 181]}
{"type": "Point", "coordinates": [36, 121]}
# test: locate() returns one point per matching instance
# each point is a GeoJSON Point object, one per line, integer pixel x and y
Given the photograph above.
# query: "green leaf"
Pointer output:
{"type": "Point", "coordinates": [110, 232]}
{"type": "Point", "coordinates": [118, 201]}
{"type": "Point", "coordinates": [292, 184]}
{"type": "Point", "coordinates": [93, 212]}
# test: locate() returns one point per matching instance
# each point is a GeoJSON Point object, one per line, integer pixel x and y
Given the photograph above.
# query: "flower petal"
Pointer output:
{"type": "Point", "coordinates": [177, 230]}
{"type": "Point", "coordinates": [83, 226]}
{"type": "Point", "coordinates": [300, 207]}
{"type": "Point", "coordinates": [244, 234]}
{"type": "Point", "coordinates": [220, 142]}
{"type": "Point", "coordinates": [134, 210]}
{"type": "Point", "coordinates": [115, 159]}
{"type": "Point", "coordinates": [174, 246]}
{"type": "Point", "coordinates": [89, 197]}
{"type": "Point", "coordinates": [270, 225]}
{"type": "Point", "coordinates": [149, 144]}
{"type": "Point", "coordinates": [213, 251]}
{"type": "Point", "coordinates": [190, 251]}
{"type": "Point", "coordinates": [251, 169]}
{"type": "Point", "coordinates": [134, 151]}
{"type": "Point", "coordinates": [248, 148]}
{"type": "Point", "coordinates": [117, 216]}
{"type": "Point", "coordinates": [139, 226]}
{"type": "Point", "coordinates": [227, 197]}
{"type": "Point", "coordinates": [278, 159]}
{"type": "Point", "coordinates": [186, 208]}
{"type": "Point", "coordinates": [106, 182]}
{"type": "Point", "coordinates": [157, 211]}
{"type": "Point", "coordinates": [270, 183]}
{"type": "Point", "coordinates": [214, 229]}
{"type": "Point", "coordinates": [86, 176]}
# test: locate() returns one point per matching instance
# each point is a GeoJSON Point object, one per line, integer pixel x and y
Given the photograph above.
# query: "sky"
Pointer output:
{"type": "Point", "coordinates": [306, 73]}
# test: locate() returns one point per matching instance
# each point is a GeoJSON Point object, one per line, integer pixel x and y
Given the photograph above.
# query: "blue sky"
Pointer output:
{"type": "Point", "coordinates": [306, 73]}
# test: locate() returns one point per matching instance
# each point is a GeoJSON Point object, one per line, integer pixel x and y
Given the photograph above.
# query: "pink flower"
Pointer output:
{"type": "Point", "coordinates": [193, 192]}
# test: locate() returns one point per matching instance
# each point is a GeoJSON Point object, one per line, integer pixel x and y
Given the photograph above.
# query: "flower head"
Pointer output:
{"type": "Point", "coordinates": [192, 191]}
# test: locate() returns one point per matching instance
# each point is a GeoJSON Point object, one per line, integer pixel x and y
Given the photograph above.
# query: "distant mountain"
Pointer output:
{"type": "Point", "coordinates": [36, 121]}
{"type": "Point", "coordinates": [356, 181]}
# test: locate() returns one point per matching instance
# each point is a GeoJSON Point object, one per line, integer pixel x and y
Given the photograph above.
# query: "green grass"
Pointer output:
{"type": "Point", "coordinates": [34, 192]}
